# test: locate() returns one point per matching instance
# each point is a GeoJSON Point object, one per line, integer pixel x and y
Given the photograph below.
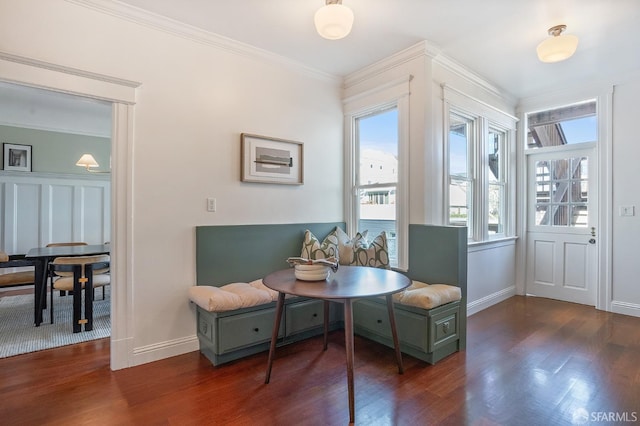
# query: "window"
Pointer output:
{"type": "Point", "coordinates": [460, 170]}
{"type": "Point", "coordinates": [567, 125]}
{"type": "Point", "coordinates": [561, 180]}
{"type": "Point", "coordinates": [478, 143]}
{"type": "Point", "coordinates": [377, 179]}
{"type": "Point", "coordinates": [497, 182]}
{"type": "Point", "coordinates": [376, 176]}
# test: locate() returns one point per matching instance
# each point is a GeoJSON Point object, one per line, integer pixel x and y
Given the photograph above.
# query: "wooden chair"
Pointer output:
{"type": "Point", "coordinates": [14, 279]}
{"type": "Point", "coordinates": [77, 273]}
{"type": "Point", "coordinates": [68, 244]}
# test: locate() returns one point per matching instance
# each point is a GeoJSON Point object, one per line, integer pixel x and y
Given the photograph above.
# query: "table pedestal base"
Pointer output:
{"type": "Point", "coordinates": [348, 337]}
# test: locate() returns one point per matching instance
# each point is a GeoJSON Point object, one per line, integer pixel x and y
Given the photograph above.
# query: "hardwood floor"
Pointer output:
{"type": "Point", "coordinates": [529, 361]}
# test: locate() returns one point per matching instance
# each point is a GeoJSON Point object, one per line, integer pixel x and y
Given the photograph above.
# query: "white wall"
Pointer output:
{"type": "Point", "coordinates": [195, 100]}
{"type": "Point", "coordinates": [625, 293]}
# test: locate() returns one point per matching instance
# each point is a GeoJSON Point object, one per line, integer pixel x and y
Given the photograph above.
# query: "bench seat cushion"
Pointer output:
{"type": "Point", "coordinates": [229, 297]}
{"type": "Point", "coordinates": [427, 296]}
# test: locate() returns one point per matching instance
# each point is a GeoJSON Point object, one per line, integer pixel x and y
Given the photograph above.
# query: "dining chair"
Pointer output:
{"type": "Point", "coordinates": [19, 278]}
{"type": "Point", "coordinates": [69, 244]}
{"type": "Point", "coordinates": [77, 273]}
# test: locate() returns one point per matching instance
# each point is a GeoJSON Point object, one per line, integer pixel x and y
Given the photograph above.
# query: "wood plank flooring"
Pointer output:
{"type": "Point", "coordinates": [529, 361]}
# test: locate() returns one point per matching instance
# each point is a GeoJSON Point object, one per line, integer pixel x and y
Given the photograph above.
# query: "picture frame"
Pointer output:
{"type": "Point", "coordinates": [16, 157]}
{"type": "Point", "coordinates": [271, 160]}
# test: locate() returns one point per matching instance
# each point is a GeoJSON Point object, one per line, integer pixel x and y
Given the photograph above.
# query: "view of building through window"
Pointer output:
{"type": "Point", "coordinates": [561, 196]}
{"type": "Point", "coordinates": [378, 175]}
{"type": "Point", "coordinates": [460, 183]}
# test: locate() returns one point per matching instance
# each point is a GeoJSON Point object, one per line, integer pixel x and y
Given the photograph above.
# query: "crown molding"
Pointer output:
{"type": "Point", "coordinates": [464, 72]}
{"type": "Point", "coordinates": [198, 35]}
{"type": "Point", "coordinates": [421, 49]}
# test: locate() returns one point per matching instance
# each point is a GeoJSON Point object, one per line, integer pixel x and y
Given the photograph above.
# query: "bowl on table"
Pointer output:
{"type": "Point", "coordinates": [312, 272]}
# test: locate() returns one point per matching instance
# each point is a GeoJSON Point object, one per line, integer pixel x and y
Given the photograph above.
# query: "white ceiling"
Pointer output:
{"type": "Point", "coordinates": [494, 38]}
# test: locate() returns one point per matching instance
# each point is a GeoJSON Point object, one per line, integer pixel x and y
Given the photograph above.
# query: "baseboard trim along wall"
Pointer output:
{"type": "Point", "coordinates": [625, 308]}
{"type": "Point", "coordinates": [490, 300]}
{"type": "Point", "coordinates": [158, 351]}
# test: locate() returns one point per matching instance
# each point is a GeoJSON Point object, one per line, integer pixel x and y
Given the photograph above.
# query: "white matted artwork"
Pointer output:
{"type": "Point", "coordinates": [16, 157]}
{"type": "Point", "coordinates": [271, 160]}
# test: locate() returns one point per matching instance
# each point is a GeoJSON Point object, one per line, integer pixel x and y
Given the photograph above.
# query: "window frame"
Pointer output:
{"type": "Point", "coordinates": [395, 94]}
{"type": "Point", "coordinates": [485, 119]}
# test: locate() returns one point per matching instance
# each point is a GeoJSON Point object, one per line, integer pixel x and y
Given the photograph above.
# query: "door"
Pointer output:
{"type": "Point", "coordinates": [561, 225]}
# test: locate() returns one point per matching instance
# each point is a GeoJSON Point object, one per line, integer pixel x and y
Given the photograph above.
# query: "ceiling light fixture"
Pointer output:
{"type": "Point", "coordinates": [559, 47]}
{"type": "Point", "coordinates": [333, 20]}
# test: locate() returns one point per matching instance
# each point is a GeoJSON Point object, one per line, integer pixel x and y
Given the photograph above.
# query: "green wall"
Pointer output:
{"type": "Point", "coordinates": [55, 152]}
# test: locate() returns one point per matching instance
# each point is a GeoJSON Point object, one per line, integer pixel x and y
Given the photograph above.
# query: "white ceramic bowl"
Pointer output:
{"type": "Point", "coordinates": [312, 272]}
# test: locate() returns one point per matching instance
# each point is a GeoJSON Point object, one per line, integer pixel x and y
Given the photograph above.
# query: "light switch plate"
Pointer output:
{"type": "Point", "coordinates": [211, 204]}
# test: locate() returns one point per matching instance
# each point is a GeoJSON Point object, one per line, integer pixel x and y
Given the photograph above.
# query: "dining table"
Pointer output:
{"type": "Point", "coordinates": [41, 257]}
{"type": "Point", "coordinates": [344, 286]}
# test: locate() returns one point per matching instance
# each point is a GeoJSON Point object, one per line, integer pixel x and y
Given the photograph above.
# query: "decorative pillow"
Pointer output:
{"type": "Point", "coordinates": [375, 254]}
{"type": "Point", "coordinates": [313, 249]}
{"type": "Point", "coordinates": [347, 246]}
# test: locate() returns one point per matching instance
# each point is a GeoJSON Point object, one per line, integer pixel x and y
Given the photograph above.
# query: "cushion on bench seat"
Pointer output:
{"type": "Point", "coordinates": [228, 297]}
{"type": "Point", "coordinates": [427, 296]}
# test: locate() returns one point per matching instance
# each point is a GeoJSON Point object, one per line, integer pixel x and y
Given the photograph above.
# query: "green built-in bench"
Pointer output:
{"type": "Point", "coordinates": [246, 253]}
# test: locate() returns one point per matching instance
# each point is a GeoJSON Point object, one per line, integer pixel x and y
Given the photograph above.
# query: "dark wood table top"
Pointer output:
{"type": "Point", "coordinates": [88, 250]}
{"type": "Point", "coordinates": [347, 283]}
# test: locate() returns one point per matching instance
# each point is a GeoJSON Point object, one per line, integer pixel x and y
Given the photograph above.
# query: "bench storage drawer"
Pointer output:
{"type": "Point", "coordinates": [304, 316]}
{"type": "Point", "coordinates": [429, 335]}
{"type": "Point", "coordinates": [247, 329]}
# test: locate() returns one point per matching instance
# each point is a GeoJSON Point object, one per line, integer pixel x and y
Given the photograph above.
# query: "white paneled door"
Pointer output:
{"type": "Point", "coordinates": [561, 225]}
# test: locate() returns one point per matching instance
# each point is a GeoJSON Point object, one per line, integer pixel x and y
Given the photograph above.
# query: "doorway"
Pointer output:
{"type": "Point", "coordinates": [562, 204]}
{"type": "Point", "coordinates": [122, 95]}
{"type": "Point", "coordinates": [53, 202]}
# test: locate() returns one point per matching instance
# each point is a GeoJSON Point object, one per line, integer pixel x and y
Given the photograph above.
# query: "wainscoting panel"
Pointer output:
{"type": "Point", "coordinates": [40, 208]}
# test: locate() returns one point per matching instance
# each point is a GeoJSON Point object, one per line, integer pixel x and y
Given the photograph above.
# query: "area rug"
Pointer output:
{"type": "Point", "coordinates": [18, 335]}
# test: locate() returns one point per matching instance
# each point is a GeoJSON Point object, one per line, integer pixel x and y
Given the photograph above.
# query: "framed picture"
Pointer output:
{"type": "Point", "coordinates": [17, 157]}
{"type": "Point", "coordinates": [271, 160]}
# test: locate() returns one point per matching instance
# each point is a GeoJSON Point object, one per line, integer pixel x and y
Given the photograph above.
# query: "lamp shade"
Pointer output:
{"type": "Point", "coordinates": [87, 161]}
{"type": "Point", "coordinates": [333, 21]}
{"type": "Point", "coordinates": [557, 48]}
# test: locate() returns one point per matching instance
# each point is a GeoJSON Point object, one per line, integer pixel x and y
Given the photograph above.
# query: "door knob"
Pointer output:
{"type": "Point", "coordinates": [592, 241]}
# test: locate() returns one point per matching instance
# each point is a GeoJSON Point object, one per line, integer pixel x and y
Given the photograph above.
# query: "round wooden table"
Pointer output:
{"type": "Point", "coordinates": [344, 286]}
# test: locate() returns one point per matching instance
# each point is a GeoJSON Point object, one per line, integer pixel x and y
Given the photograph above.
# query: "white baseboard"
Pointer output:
{"type": "Point", "coordinates": [625, 308]}
{"type": "Point", "coordinates": [158, 351]}
{"type": "Point", "coordinates": [490, 300]}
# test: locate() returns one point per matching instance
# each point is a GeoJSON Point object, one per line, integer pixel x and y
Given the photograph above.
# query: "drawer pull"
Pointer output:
{"type": "Point", "coordinates": [315, 315]}
{"type": "Point", "coordinates": [445, 327]}
{"type": "Point", "coordinates": [256, 329]}
{"type": "Point", "coordinates": [379, 321]}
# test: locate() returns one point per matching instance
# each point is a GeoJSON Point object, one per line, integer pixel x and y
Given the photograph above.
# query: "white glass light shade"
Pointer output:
{"type": "Point", "coordinates": [558, 48]}
{"type": "Point", "coordinates": [333, 21]}
{"type": "Point", "coordinates": [87, 161]}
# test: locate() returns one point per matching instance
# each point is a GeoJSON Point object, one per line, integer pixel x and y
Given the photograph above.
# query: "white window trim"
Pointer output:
{"type": "Point", "coordinates": [486, 117]}
{"type": "Point", "coordinates": [392, 94]}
